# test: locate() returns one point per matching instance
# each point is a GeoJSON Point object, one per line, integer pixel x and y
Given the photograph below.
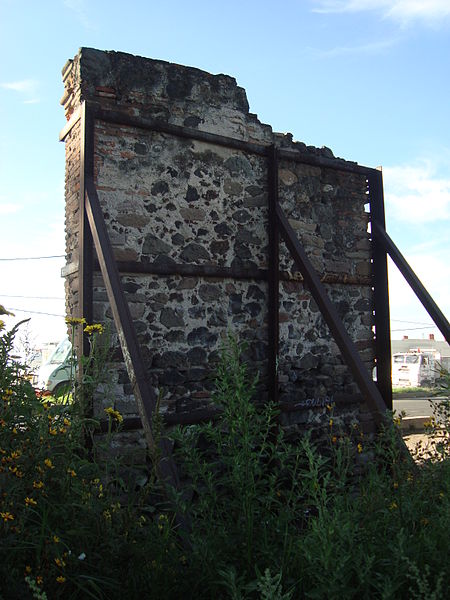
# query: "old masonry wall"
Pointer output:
{"type": "Point", "coordinates": [169, 201]}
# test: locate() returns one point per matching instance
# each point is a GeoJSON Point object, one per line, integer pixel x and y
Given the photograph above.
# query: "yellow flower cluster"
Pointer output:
{"type": "Point", "coordinates": [94, 328]}
{"type": "Point", "coordinates": [7, 395]}
{"type": "Point", "coordinates": [75, 320]}
{"type": "Point", "coordinates": [114, 414]}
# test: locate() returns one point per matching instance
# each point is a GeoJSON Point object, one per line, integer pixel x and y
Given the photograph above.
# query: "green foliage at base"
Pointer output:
{"type": "Point", "coordinates": [268, 519]}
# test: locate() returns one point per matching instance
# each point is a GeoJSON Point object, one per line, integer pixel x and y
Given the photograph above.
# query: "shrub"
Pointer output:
{"type": "Point", "coordinates": [269, 518]}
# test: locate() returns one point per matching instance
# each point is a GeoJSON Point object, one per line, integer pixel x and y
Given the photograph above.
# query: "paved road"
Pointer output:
{"type": "Point", "coordinates": [415, 407]}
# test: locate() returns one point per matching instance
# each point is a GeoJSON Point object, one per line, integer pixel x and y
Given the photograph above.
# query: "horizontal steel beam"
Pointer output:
{"type": "Point", "coordinates": [118, 117]}
{"type": "Point", "coordinates": [217, 272]}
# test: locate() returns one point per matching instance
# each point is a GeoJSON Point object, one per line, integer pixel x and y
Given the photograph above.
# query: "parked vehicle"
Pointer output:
{"type": "Point", "coordinates": [54, 375]}
{"type": "Point", "coordinates": [415, 367]}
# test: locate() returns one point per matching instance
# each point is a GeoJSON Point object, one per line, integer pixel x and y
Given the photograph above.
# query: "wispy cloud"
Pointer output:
{"type": "Point", "coordinates": [26, 87]}
{"type": "Point", "coordinates": [403, 11]}
{"type": "Point", "coordinates": [369, 48]}
{"type": "Point", "coordinates": [415, 194]}
{"type": "Point", "coordinates": [80, 8]}
{"type": "Point", "coordinates": [8, 208]}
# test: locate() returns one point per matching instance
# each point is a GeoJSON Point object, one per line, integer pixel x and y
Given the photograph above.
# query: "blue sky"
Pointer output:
{"type": "Point", "coordinates": [368, 78]}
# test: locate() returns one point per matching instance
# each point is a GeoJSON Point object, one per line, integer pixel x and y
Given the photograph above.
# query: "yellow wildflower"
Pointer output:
{"type": "Point", "coordinates": [334, 439]}
{"type": "Point", "coordinates": [48, 463]}
{"type": "Point", "coordinates": [39, 580]}
{"type": "Point", "coordinates": [7, 516]}
{"type": "Point", "coordinates": [30, 501]}
{"type": "Point", "coordinates": [75, 320]}
{"type": "Point", "coordinates": [71, 472]}
{"type": "Point", "coordinates": [114, 414]}
{"type": "Point", "coordinates": [395, 485]}
{"type": "Point", "coordinates": [60, 579]}
{"type": "Point", "coordinates": [60, 562]}
{"type": "Point", "coordinates": [3, 311]}
{"type": "Point", "coordinates": [331, 423]}
{"type": "Point", "coordinates": [52, 431]}
{"type": "Point", "coordinates": [66, 422]}
{"type": "Point", "coordinates": [360, 448]}
{"type": "Point", "coordinates": [94, 328]}
{"type": "Point", "coordinates": [14, 430]}
{"type": "Point", "coordinates": [55, 539]}
{"type": "Point", "coordinates": [38, 485]}
{"type": "Point", "coordinates": [107, 515]}
{"type": "Point", "coordinates": [393, 506]}
{"type": "Point", "coordinates": [27, 569]}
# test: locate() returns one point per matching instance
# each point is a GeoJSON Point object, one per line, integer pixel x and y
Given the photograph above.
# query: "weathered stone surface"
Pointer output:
{"type": "Point", "coordinates": [153, 245]}
{"type": "Point", "coordinates": [169, 201]}
{"type": "Point", "coordinates": [192, 214]}
{"type": "Point", "coordinates": [194, 252]}
{"type": "Point", "coordinates": [209, 292]}
{"type": "Point", "coordinates": [171, 318]}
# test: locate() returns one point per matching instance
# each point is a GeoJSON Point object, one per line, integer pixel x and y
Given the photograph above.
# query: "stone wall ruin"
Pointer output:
{"type": "Point", "coordinates": [170, 201]}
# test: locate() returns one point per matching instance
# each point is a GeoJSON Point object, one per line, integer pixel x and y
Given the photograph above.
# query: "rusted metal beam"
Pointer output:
{"type": "Point", "coordinates": [380, 291]}
{"type": "Point", "coordinates": [329, 313]}
{"type": "Point", "coordinates": [273, 317]}
{"type": "Point", "coordinates": [118, 117]}
{"type": "Point", "coordinates": [85, 261]}
{"type": "Point", "coordinates": [427, 301]}
{"type": "Point", "coordinates": [143, 392]}
{"type": "Point", "coordinates": [218, 272]}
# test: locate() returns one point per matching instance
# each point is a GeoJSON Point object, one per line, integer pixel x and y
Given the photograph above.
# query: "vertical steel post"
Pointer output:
{"type": "Point", "coordinates": [273, 274]}
{"type": "Point", "coordinates": [381, 290]}
{"type": "Point", "coordinates": [85, 244]}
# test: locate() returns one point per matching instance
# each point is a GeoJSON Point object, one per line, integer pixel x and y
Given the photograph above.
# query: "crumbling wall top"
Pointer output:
{"type": "Point", "coordinates": [160, 90]}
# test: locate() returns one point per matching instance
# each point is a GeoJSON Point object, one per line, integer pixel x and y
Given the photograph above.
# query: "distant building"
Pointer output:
{"type": "Point", "coordinates": [408, 343]}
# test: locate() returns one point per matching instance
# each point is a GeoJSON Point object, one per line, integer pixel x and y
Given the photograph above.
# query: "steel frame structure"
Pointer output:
{"type": "Point", "coordinates": [93, 234]}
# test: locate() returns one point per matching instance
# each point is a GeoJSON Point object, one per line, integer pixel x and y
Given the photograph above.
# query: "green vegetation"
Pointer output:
{"type": "Point", "coordinates": [268, 519]}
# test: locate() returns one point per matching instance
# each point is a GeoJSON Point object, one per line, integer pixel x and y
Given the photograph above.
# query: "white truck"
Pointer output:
{"type": "Point", "coordinates": [415, 367]}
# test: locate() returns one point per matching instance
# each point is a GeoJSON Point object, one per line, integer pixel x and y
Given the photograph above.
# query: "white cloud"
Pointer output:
{"type": "Point", "coordinates": [368, 48]}
{"type": "Point", "coordinates": [26, 87]}
{"type": "Point", "coordinates": [415, 194]}
{"type": "Point", "coordinates": [403, 11]}
{"type": "Point", "coordinates": [79, 7]}
{"type": "Point", "coordinates": [8, 208]}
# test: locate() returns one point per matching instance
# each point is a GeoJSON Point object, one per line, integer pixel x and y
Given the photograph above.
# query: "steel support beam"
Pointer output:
{"type": "Point", "coordinates": [145, 397]}
{"type": "Point", "coordinates": [381, 290]}
{"type": "Point", "coordinates": [273, 276]}
{"type": "Point", "coordinates": [85, 260]}
{"type": "Point", "coordinates": [348, 349]}
{"type": "Point", "coordinates": [427, 301]}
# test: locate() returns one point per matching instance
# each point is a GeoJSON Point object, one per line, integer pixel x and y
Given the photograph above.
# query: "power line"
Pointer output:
{"type": "Point", "coordinates": [33, 297]}
{"type": "Point", "coordinates": [35, 312]}
{"type": "Point", "coordinates": [34, 257]}
{"type": "Point", "coordinates": [413, 322]}
{"type": "Point", "coordinates": [414, 328]}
